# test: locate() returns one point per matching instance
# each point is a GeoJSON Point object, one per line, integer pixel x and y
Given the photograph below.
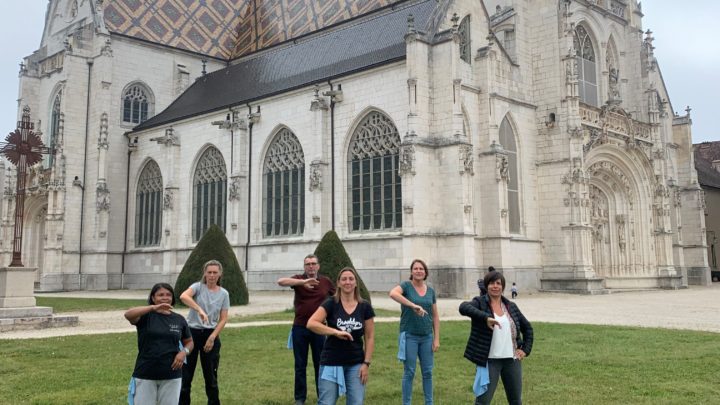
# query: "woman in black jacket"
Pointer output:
{"type": "Point", "coordinates": [497, 342]}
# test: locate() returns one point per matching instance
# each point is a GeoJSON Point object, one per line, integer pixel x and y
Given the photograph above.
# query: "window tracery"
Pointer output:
{"type": "Point", "coordinates": [148, 211]}
{"type": "Point", "coordinates": [587, 67]}
{"type": "Point", "coordinates": [136, 104]}
{"type": "Point", "coordinates": [507, 140]}
{"type": "Point", "coordinates": [375, 185]}
{"type": "Point", "coordinates": [209, 193]}
{"type": "Point", "coordinates": [284, 191]}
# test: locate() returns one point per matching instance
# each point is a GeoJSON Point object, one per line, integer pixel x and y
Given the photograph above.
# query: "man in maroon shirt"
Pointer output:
{"type": "Point", "coordinates": [311, 290]}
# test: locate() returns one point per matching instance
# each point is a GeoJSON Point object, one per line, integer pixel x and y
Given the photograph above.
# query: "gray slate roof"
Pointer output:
{"type": "Point", "coordinates": [705, 154]}
{"type": "Point", "coordinates": [367, 42]}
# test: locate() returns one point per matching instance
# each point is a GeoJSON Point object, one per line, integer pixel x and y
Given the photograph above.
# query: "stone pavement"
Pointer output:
{"type": "Point", "coordinates": [695, 308]}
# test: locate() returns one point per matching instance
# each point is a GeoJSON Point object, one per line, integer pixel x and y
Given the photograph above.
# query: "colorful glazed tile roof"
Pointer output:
{"type": "Point", "coordinates": [228, 29]}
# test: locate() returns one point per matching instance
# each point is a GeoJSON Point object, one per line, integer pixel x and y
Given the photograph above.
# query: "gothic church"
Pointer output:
{"type": "Point", "coordinates": [534, 136]}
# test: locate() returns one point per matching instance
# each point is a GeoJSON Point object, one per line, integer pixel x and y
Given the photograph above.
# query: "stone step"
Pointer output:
{"type": "Point", "coordinates": [37, 322]}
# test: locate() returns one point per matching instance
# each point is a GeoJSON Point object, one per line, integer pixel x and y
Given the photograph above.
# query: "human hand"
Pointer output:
{"type": "Point", "coordinates": [519, 354]}
{"type": "Point", "coordinates": [363, 373]}
{"type": "Point", "coordinates": [419, 311]}
{"type": "Point", "coordinates": [209, 344]}
{"type": "Point", "coordinates": [492, 322]}
{"type": "Point", "coordinates": [435, 345]}
{"type": "Point", "coordinates": [310, 283]}
{"type": "Point", "coordinates": [164, 307]}
{"type": "Point", "coordinates": [203, 316]}
{"type": "Point", "coordinates": [179, 360]}
{"type": "Point", "coordinates": [341, 334]}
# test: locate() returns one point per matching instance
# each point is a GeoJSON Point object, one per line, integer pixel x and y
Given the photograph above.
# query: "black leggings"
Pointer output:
{"type": "Point", "coordinates": [209, 362]}
{"type": "Point", "coordinates": [510, 370]}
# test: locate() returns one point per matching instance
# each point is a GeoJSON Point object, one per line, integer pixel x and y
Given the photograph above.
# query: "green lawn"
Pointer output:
{"type": "Point", "coordinates": [570, 364]}
{"type": "Point", "coordinates": [62, 304]}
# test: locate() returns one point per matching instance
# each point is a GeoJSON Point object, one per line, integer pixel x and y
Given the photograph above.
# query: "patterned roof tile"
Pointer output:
{"type": "Point", "coordinates": [228, 29]}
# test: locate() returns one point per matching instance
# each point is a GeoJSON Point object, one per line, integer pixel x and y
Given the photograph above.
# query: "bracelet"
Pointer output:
{"type": "Point", "coordinates": [367, 363]}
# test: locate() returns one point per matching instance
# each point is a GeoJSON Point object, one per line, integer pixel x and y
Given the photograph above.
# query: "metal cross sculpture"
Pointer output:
{"type": "Point", "coordinates": [23, 148]}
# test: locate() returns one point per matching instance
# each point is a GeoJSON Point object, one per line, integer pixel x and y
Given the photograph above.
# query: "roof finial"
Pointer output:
{"type": "Point", "coordinates": [411, 24]}
{"type": "Point", "coordinates": [204, 65]}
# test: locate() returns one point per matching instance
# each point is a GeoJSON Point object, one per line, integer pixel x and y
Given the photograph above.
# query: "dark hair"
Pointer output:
{"type": "Point", "coordinates": [356, 293]}
{"type": "Point", "coordinates": [155, 289]}
{"type": "Point", "coordinates": [492, 276]}
{"type": "Point", "coordinates": [424, 267]}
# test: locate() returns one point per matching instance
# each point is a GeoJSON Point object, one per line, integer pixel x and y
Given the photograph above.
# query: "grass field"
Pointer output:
{"type": "Point", "coordinates": [570, 364]}
{"type": "Point", "coordinates": [62, 304]}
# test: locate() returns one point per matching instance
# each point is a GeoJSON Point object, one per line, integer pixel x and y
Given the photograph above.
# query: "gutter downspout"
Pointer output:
{"type": "Point", "coordinates": [90, 63]}
{"type": "Point", "coordinates": [249, 189]}
{"type": "Point", "coordinates": [332, 158]}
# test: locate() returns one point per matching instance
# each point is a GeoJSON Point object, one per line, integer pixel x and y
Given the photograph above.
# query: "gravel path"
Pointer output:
{"type": "Point", "coordinates": [695, 308]}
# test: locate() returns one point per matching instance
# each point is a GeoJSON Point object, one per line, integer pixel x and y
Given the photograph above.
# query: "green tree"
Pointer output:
{"type": "Point", "coordinates": [214, 246]}
{"type": "Point", "coordinates": [333, 258]}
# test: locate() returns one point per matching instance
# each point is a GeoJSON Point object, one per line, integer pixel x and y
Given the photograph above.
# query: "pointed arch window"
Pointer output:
{"type": "Point", "coordinates": [464, 33]}
{"type": "Point", "coordinates": [148, 203]}
{"type": "Point", "coordinates": [209, 193]}
{"type": "Point", "coordinates": [137, 104]}
{"type": "Point", "coordinates": [374, 186]}
{"type": "Point", "coordinates": [507, 140]}
{"type": "Point", "coordinates": [586, 65]}
{"type": "Point", "coordinates": [55, 116]}
{"type": "Point", "coordinates": [284, 189]}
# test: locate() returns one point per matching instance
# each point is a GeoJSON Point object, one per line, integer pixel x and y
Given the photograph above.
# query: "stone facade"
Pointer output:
{"type": "Point", "coordinates": [505, 157]}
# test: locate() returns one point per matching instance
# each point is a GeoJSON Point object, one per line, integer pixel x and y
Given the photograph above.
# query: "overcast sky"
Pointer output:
{"type": "Point", "coordinates": [685, 46]}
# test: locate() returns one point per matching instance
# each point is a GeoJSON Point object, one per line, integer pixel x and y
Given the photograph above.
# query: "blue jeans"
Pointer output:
{"type": "Point", "coordinates": [303, 338]}
{"type": "Point", "coordinates": [418, 346]}
{"type": "Point", "coordinates": [355, 389]}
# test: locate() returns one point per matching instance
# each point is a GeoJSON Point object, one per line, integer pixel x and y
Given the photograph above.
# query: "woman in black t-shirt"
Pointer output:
{"type": "Point", "coordinates": [344, 362]}
{"type": "Point", "coordinates": [157, 378]}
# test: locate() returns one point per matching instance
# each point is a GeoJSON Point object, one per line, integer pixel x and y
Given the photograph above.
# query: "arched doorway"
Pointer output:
{"type": "Point", "coordinates": [623, 244]}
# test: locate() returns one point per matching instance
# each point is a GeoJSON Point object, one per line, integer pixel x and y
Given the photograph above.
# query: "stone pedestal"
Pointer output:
{"type": "Point", "coordinates": [16, 287]}
{"type": "Point", "coordinates": [17, 303]}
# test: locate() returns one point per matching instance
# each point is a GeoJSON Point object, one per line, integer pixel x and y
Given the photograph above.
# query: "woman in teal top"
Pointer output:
{"type": "Point", "coordinates": [419, 329]}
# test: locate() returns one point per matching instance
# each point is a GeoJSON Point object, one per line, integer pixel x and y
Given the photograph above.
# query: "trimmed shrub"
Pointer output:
{"type": "Point", "coordinates": [333, 258]}
{"type": "Point", "coordinates": [214, 245]}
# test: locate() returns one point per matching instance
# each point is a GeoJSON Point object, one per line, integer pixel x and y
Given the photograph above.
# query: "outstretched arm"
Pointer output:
{"type": "Point", "coordinates": [397, 296]}
{"type": "Point", "coordinates": [133, 315]}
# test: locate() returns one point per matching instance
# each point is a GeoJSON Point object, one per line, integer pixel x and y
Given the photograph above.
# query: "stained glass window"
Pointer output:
{"type": "Point", "coordinates": [148, 212]}
{"type": "Point", "coordinates": [507, 140]}
{"type": "Point", "coordinates": [209, 193]}
{"type": "Point", "coordinates": [284, 191]}
{"type": "Point", "coordinates": [374, 182]}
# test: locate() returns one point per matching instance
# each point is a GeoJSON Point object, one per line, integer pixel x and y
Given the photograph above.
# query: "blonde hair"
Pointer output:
{"type": "Point", "coordinates": [358, 298]}
{"type": "Point", "coordinates": [212, 263]}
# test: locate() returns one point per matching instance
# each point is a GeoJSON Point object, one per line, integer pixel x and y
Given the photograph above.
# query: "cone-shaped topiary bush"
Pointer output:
{"type": "Point", "coordinates": [333, 258]}
{"type": "Point", "coordinates": [214, 245]}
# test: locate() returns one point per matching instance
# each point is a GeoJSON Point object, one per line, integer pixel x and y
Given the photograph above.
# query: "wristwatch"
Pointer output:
{"type": "Point", "coordinates": [186, 350]}
{"type": "Point", "coordinates": [367, 363]}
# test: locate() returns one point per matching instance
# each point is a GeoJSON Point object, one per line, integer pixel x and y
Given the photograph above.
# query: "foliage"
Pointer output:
{"type": "Point", "coordinates": [333, 258]}
{"type": "Point", "coordinates": [214, 245]}
{"type": "Point", "coordinates": [569, 364]}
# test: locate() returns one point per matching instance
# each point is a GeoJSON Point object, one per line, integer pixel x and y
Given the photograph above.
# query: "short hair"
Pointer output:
{"type": "Point", "coordinates": [492, 276]}
{"type": "Point", "coordinates": [155, 289]}
{"type": "Point", "coordinates": [311, 256]}
{"type": "Point", "coordinates": [358, 297]}
{"type": "Point", "coordinates": [424, 267]}
{"type": "Point", "coordinates": [208, 264]}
